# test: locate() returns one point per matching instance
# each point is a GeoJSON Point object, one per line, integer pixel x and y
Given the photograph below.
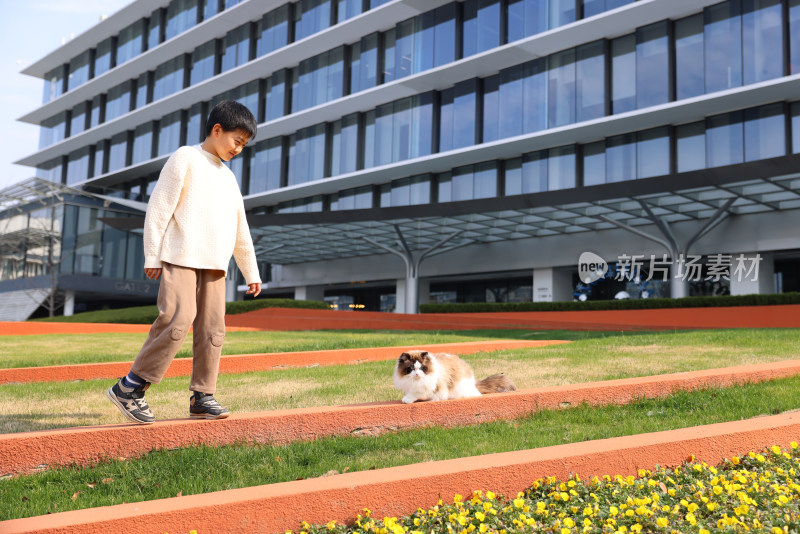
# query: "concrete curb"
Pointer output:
{"type": "Point", "coordinates": [28, 451]}
{"type": "Point", "coordinates": [400, 490]}
{"type": "Point", "coordinates": [256, 362]}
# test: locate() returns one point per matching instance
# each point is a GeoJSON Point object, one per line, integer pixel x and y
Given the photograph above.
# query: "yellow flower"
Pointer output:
{"type": "Point", "coordinates": [613, 511]}
{"type": "Point", "coordinates": [490, 495]}
{"type": "Point", "coordinates": [735, 460]}
{"type": "Point", "coordinates": [519, 503]}
{"type": "Point", "coordinates": [195, 532]}
{"type": "Point", "coordinates": [662, 522]}
{"type": "Point", "coordinates": [331, 525]}
{"type": "Point", "coordinates": [479, 516]}
{"type": "Point", "coordinates": [569, 522]}
{"type": "Point", "coordinates": [704, 531]}
{"type": "Point", "coordinates": [793, 444]}
{"type": "Point", "coordinates": [483, 528]}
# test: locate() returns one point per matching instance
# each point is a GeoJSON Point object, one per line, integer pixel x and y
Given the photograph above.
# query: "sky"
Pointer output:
{"type": "Point", "coordinates": [30, 30]}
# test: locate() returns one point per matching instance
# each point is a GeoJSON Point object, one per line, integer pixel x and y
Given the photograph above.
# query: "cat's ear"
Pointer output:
{"type": "Point", "coordinates": [403, 357]}
{"type": "Point", "coordinates": [424, 354]}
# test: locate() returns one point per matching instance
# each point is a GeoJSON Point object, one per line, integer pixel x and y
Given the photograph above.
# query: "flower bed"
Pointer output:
{"type": "Point", "coordinates": [759, 492]}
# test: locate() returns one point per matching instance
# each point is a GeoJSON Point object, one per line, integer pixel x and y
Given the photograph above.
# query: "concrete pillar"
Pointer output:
{"type": "Point", "coordinates": [751, 276]}
{"type": "Point", "coordinates": [400, 296]}
{"type": "Point", "coordinates": [309, 293]}
{"type": "Point", "coordinates": [230, 290]}
{"type": "Point", "coordinates": [69, 303]}
{"type": "Point", "coordinates": [552, 285]}
{"type": "Point", "coordinates": [678, 284]}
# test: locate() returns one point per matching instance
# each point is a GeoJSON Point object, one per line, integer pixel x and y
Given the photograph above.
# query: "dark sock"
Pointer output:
{"type": "Point", "coordinates": [132, 380]}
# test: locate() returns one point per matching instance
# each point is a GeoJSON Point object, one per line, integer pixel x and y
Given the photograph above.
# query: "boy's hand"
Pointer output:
{"type": "Point", "coordinates": [254, 289]}
{"type": "Point", "coordinates": [152, 274]}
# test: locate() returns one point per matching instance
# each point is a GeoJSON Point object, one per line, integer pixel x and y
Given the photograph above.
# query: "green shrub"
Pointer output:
{"type": "Point", "coordinates": [148, 314]}
{"type": "Point", "coordinates": [628, 304]}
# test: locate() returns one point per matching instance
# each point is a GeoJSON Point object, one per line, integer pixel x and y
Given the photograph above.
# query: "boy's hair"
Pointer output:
{"type": "Point", "coordinates": [232, 115]}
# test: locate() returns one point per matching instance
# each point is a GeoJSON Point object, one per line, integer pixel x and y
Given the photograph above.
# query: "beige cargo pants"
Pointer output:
{"type": "Point", "coordinates": [187, 297]}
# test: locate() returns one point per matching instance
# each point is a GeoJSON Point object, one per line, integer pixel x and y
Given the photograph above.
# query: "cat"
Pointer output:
{"type": "Point", "coordinates": [421, 375]}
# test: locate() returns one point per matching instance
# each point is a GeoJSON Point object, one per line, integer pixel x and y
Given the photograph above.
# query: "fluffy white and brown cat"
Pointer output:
{"type": "Point", "coordinates": [421, 375]}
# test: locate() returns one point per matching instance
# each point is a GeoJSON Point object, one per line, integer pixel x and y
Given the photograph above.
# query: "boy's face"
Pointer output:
{"type": "Point", "coordinates": [225, 145]}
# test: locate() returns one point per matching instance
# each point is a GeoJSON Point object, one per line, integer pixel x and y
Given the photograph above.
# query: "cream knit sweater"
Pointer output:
{"type": "Point", "coordinates": [195, 217]}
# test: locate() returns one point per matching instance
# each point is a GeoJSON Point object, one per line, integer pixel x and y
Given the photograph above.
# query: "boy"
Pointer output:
{"type": "Point", "coordinates": [195, 221]}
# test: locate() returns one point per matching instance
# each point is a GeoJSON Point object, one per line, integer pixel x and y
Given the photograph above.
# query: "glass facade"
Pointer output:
{"type": "Point", "coordinates": [169, 133]}
{"type": "Point", "coordinates": [204, 62]}
{"type": "Point", "coordinates": [318, 80]}
{"type": "Point", "coordinates": [130, 42]}
{"type": "Point", "coordinates": [236, 48]}
{"type": "Point", "coordinates": [181, 16]}
{"type": "Point", "coordinates": [104, 57]}
{"type": "Point", "coordinates": [272, 31]}
{"type": "Point", "coordinates": [53, 130]}
{"type": "Point", "coordinates": [169, 78]}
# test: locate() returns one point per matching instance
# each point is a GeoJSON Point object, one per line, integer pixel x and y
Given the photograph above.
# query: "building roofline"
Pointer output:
{"type": "Point", "coordinates": [106, 28]}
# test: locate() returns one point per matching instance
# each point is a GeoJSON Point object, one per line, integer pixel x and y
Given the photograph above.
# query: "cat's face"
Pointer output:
{"type": "Point", "coordinates": [414, 364]}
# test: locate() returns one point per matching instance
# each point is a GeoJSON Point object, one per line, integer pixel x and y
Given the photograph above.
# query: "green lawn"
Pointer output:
{"type": "Point", "coordinates": [65, 349]}
{"type": "Point", "coordinates": [204, 469]}
{"type": "Point", "coordinates": [26, 407]}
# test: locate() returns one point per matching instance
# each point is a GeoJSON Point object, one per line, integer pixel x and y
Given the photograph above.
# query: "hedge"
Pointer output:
{"type": "Point", "coordinates": [148, 314]}
{"type": "Point", "coordinates": [627, 304]}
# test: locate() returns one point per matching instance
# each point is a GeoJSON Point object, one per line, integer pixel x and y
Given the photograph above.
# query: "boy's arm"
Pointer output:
{"type": "Point", "coordinates": [244, 252]}
{"type": "Point", "coordinates": [161, 207]}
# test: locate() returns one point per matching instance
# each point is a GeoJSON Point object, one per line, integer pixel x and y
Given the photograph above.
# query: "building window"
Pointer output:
{"type": "Point", "coordinates": [794, 36]}
{"type": "Point", "coordinates": [79, 70]}
{"type": "Point", "coordinates": [79, 118]}
{"type": "Point", "coordinates": [211, 8]}
{"type": "Point", "coordinates": [352, 199]}
{"type": "Point", "coordinates": [104, 57]}
{"type": "Point", "coordinates": [594, 163]}
{"type": "Point", "coordinates": [347, 9]}
{"type": "Point", "coordinates": [307, 155]}
{"type": "Point", "coordinates": [691, 143]}
{"type": "Point", "coordinates": [318, 80]}
{"type": "Point", "coordinates": [399, 130]}
{"type": "Point", "coordinates": [411, 191]}
{"type": "Point", "coordinates": [481, 26]}
{"type": "Point", "coordinates": [623, 74]}
{"type": "Point", "coordinates": [724, 139]}
{"type": "Point", "coordinates": [652, 65]}
{"type": "Point", "coordinates": [590, 98]}
{"type": "Point", "coordinates": [246, 94]}
{"type": "Point", "coordinates": [53, 85]}
{"type": "Point", "coordinates": [689, 65]}
{"type": "Point", "coordinates": [169, 133]}
{"type": "Point", "coordinates": [181, 16]}
{"type": "Point", "coordinates": [87, 241]}
{"type": "Point", "coordinates": [444, 33]}
{"type": "Point", "coordinates": [762, 40]}
{"type": "Point", "coordinates": [458, 114]}
{"type": "Point", "coordinates": [510, 107]}
{"type": "Point", "coordinates": [621, 158]}
{"type": "Point", "coordinates": [51, 170]}
{"type": "Point", "coordinates": [653, 153]}
{"type": "Point", "coordinates": [561, 168]}
{"type": "Point", "coordinates": [344, 146]}
{"type": "Point", "coordinates": [275, 96]}
{"type": "Point", "coordinates": [236, 48]}
{"type": "Point", "coordinates": [78, 166]}
{"type": "Point", "coordinates": [595, 7]}
{"type": "Point", "coordinates": [118, 152]}
{"type": "Point", "coordinates": [130, 42]}
{"type": "Point", "coordinates": [168, 78]}
{"type": "Point", "coordinates": [265, 166]}
{"type": "Point", "coordinates": [97, 111]}
{"type": "Point", "coordinates": [53, 130]}
{"type": "Point", "coordinates": [310, 17]}
{"type": "Point", "coordinates": [469, 182]}
{"type": "Point", "coordinates": [204, 60]}
{"type": "Point", "coordinates": [723, 42]}
{"type": "Point", "coordinates": [561, 94]}
{"type": "Point", "coordinates": [526, 18]}
{"type": "Point", "coordinates": [272, 31]}
{"type": "Point", "coordinates": [491, 109]}
{"type": "Point", "coordinates": [303, 205]}
{"type": "Point", "coordinates": [195, 127]}
{"type": "Point", "coordinates": [364, 63]}
{"type": "Point", "coordinates": [796, 128]}
{"type": "Point", "coordinates": [143, 143]}
{"type": "Point", "coordinates": [100, 159]}
{"type": "Point", "coordinates": [143, 90]}
{"type": "Point", "coordinates": [118, 101]}
{"type": "Point", "coordinates": [155, 29]}
{"type": "Point", "coordinates": [764, 132]}
{"type": "Point", "coordinates": [113, 251]}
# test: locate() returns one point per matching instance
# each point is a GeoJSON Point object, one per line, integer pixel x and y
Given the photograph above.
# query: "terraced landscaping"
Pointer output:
{"type": "Point", "coordinates": [591, 357]}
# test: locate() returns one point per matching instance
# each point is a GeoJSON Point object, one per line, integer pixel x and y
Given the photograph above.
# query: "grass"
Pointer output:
{"type": "Point", "coordinates": [27, 407]}
{"type": "Point", "coordinates": [203, 469]}
{"type": "Point", "coordinates": [148, 314]}
{"type": "Point", "coordinates": [67, 349]}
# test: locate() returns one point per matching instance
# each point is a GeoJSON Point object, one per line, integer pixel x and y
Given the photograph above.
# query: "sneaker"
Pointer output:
{"type": "Point", "coordinates": [131, 403]}
{"type": "Point", "coordinates": [205, 406]}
